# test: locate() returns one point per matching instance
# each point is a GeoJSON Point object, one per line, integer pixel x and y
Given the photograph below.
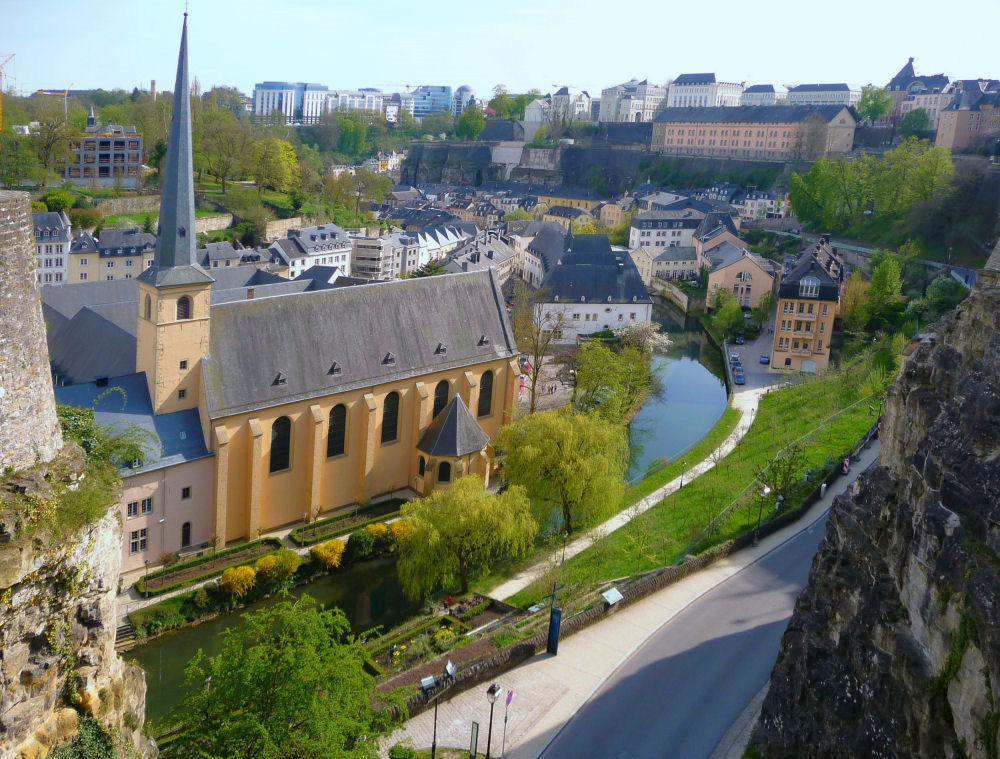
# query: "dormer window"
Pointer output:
{"type": "Point", "coordinates": [441, 350]}
{"type": "Point", "coordinates": [335, 370]}
{"type": "Point", "coordinates": [280, 379]}
{"type": "Point", "coordinates": [389, 359]}
{"type": "Point", "coordinates": [809, 287]}
{"type": "Point", "coordinates": [483, 340]}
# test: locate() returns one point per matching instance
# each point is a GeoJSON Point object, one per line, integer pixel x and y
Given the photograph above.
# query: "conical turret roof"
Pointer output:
{"type": "Point", "coordinates": [454, 432]}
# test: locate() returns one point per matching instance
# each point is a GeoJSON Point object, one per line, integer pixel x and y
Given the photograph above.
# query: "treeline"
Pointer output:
{"type": "Point", "coordinates": [674, 172]}
{"type": "Point", "coordinates": [911, 193]}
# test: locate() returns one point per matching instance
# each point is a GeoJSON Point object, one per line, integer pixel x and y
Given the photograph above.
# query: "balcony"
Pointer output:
{"type": "Point", "coordinates": [807, 334]}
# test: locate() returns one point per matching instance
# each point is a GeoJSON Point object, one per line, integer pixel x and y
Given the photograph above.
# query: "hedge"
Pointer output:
{"type": "Point", "coordinates": [335, 533]}
{"type": "Point", "coordinates": [140, 584]}
{"type": "Point", "coordinates": [475, 611]}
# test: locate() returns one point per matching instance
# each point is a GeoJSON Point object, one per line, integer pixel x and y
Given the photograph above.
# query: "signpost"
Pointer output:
{"type": "Point", "coordinates": [555, 622]}
{"type": "Point", "coordinates": [474, 741]}
{"type": "Point", "coordinates": [847, 464]}
{"type": "Point", "coordinates": [503, 743]}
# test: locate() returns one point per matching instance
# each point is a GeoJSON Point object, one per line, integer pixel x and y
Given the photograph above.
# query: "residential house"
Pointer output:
{"type": "Point", "coordinates": [538, 248]}
{"type": "Point", "coordinates": [105, 156]}
{"type": "Point", "coordinates": [633, 101]}
{"type": "Point", "coordinates": [822, 94]}
{"type": "Point", "coordinates": [906, 83]}
{"type": "Point", "coordinates": [643, 259]}
{"type": "Point", "coordinates": [763, 204]}
{"type": "Point", "coordinates": [702, 90]}
{"type": "Point", "coordinates": [486, 251]}
{"type": "Point", "coordinates": [736, 270]}
{"type": "Point", "coordinates": [570, 105]}
{"type": "Point", "coordinates": [761, 94]}
{"type": "Point", "coordinates": [588, 200]}
{"type": "Point", "coordinates": [326, 245]}
{"type": "Point", "coordinates": [612, 212]}
{"type": "Point", "coordinates": [593, 288]}
{"type": "Point", "coordinates": [385, 257]}
{"type": "Point", "coordinates": [663, 229]}
{"type": "Point", "coordinates": [678, 262]}
{"type": "Point", "coordinates": [119, 253]}
{"type": "Point", "coordinates": [971, 116]}
{"type": "Point", "coordinates": [772, 132]}
{"type": "Point", "coordinates": [268, 411]}
{"type": "Point", "coordinates": [567, 216]}
{"type": "Point", "coordinates": [537, 111]}
{"type": "Point", "coordinates": [53, 240]}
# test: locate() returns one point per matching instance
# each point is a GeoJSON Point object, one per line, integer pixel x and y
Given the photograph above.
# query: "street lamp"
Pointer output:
{"type": "Point", "coordinates": [429, 684]}
{"type": "Point", "coordinates": [163, 537]}
{"type": "Point", "coordinates": [145, 582]}
{"type": "Point", "coordinates": [683, 467]}
{"type": "Point", "coordinates": [491, 696]}
{"type": "Point", "coordinates": [565, 535]}
{"type": "Point", "coordinates": [765, 491]}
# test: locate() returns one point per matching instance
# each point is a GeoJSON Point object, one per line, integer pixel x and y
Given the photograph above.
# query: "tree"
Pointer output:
{"type": "Point", "coordinates": [518, 214]}
{"type": "Point", "coordinates": [762, 311]}
{"type": "Point", "coordinates": [728, 315]}
{"type": "Point", "coordinates": [429, 269]}
{"type": "Point", "coordinates": [353, 136]}
{"type": "Point", "coordinates": [50, 141]}
{"type": "Point", "coordinates": [784, 469]}
{"type": "Point", "coordinates": [886, 287]}
{"type": "Point", "coordinates": [470, 123]}
{"type": "Point", "coordinates": [17, 161]}
{"type": "Point", "coordinates": [875, 103]}
{"type": "Point", "coordinates": [225, 143]}
{"type": "Point", "coordinates": [610, 383]}
{"type": "Point", "coordinates": [944, 293]}
{"type": "Point", "coordinates": [440, 123]}
{"type": "Point", "coordinates": [289, 682]}
{"type": "Point", "coordinates": [84, 218]}
{"type": "Point", "coordinates": [568, 461]}
{"type": "Point", "coordinates": [535, 327]}
{"type": "Point", "coordinates": [541, 134]}
{"type": "Point", "coordinates": [915, 122]}
{"type": "Point", "coordinates": [274, 165]}
{"type": "Point", "coordinates": [58, 200]}
{"type": "Point", "coordinates": [854, 306]}
{"type": "Point", "coordinates": [459, 530]}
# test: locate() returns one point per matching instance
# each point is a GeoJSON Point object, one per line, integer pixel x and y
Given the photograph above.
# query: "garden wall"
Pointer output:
{"type": "Point", "coordinates": [124, 206]}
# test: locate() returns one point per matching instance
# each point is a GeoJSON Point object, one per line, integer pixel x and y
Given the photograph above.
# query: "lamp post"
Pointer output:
{"type": "Point", "coordinates": [145, 582]}
{"type": "Point", "coordinates": [491, 696]}
{"type": "Point", "coordinates": [163, 537]}
{"type": "Point", "coordinates": [683, 467]}
{"type": "Point", "coordinates": [764, 492]}
{"type": "Point", "coordinates": [565, 535]}
{"type": "Point", "coordinates": [429, 684]}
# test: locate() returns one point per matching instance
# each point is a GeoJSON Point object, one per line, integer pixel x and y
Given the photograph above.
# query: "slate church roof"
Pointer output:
{"type": "Point", "coordinates": [454, 432]}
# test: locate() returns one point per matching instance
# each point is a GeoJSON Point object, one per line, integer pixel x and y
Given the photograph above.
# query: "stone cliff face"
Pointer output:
{"type": "Point", "coordinates": [57, 634]}
{"type": "Point", "coordinates": [894, 646]}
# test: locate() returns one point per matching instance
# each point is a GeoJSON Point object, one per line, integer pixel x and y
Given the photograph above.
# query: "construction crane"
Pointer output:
{"type": "Point", "coordinates": [64, 94]}
{"type": "Point", "coordinates": [4, 60]}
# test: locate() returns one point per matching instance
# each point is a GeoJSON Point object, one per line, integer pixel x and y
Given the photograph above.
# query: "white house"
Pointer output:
{"type": "Point", "coordinates": [53, 239]}
{"type": "Point", "coordinates": [697, 90]}
{"type": "Point", "coordinates": [325, 245]}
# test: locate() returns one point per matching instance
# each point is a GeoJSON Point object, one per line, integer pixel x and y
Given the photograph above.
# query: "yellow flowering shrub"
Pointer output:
{"type": "Point", "coordinates": [400, 531]}
{"type": "Point", "coordinates": [329, 554]}
{"type": "Point", "coordinates": [238, 581]}
{"type": "Point", "coordinates": [379, 532]}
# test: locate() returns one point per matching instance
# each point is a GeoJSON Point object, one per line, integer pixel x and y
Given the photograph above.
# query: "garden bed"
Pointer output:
{"type": "Point", "coordinates": [344, 522]}
{"type": "Point", "coordinates": [181, 575]}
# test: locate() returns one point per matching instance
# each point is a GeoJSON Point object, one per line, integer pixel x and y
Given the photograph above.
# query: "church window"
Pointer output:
{"type": "Point", "coordinates": [390, 417]}
{"type": "Point", "coordinates": [337, 431]}
{"type": "Point", "coordinates": [184, 307]}
{"type": "Point", "coordinates": [281, 444]}
{"type": "Point", "coordinates": [485, 394]}
{"type": "Point", "coordinates": [440, 398]}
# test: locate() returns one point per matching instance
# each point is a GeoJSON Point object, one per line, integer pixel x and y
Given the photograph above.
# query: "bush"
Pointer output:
{"type": "Point", "coordinates": [37, 205]}
{"type": "Point", "coordinates": [444, 639]}
{"type": "Point", "coordinates": [400, 531]}
{"type": "Point", "coordinates": [58, 200]}
{"type": "Point", "coordinates": [278, 566]}
{"type": "Point", "coordinates": [329, 554]}
{"type": "Point", "coordinates": [379, 532]}
{"type": "Point", "coordinates": [200, 598]}
{"type": "Point", "coordinates": [85, 218]}
{"type": "Point", "coordinates": [402, 751]}
{"type": "Point", "coordinates": [238, 581]}
{"type": "Point", "coordinates": [360, 545]}
{"type": "Point", "coordinates": [82, 202]}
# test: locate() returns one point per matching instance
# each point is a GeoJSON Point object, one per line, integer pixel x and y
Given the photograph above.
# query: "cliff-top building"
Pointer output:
{"type": "Point", "coordinates": [273, 403]}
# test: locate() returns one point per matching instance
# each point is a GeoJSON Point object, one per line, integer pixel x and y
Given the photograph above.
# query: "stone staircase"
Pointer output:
{"type": "Point", "coordinates": [124, 637]}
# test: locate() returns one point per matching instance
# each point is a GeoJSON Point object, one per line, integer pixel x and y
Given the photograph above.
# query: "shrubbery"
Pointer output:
{"type": "Point", "coordinates": [278, 566]}
{"type": "Point", "coordinates": [330, 554]}
{"type": "Point", "coordinates": [360, 545]}
{"type": "Point", "coordinates": [238, 581]}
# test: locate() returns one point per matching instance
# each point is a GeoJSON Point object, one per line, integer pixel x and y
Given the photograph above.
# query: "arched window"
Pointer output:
{"type": "Point", "coordinates": [485, 394]}
{"type": "Point", "coordinates": [337, 432]}
{"type": "Point", "coordinates": [444, 472]}
{"type": "Point", "coordinates": [185, 534]}
{"type": "Point", "coordinates": [421, 466]}
{"type": "Point", "coordinates": [440, 397]}
{"type": "Point", "coordinates": [148, 308]}
{"type": "Point", "coordinates": [281, 444]}
{"type": "Point", "coordinates": [390, 417]}
{"type": "Point", "coordinates": [184, 307]}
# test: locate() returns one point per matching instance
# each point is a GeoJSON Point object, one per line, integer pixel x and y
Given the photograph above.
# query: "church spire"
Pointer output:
{"type": "Point", "coordinates": [176, 259]}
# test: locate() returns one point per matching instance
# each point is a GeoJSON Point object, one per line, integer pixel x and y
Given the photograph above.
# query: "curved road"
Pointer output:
{"type": "Point", "coordinates": [682, 690]}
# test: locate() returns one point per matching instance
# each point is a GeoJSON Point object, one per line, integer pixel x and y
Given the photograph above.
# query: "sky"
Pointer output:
{"type": "Point", "coordinates": [584, 44]}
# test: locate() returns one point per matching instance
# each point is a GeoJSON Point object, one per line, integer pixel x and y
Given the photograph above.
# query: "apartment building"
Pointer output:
{"type": "Point", "coordinates": [734, 269]}
{"type": "Point", "coordinates": [300, 102]}
{"type": "Point", "coordinates": [972, 115]}
{"type": "Point", "coordinates": [930, 94]}
{"type": "Point", "coordinates": [808, 302]}
{"type": "Point", "coordinates": [700, 90]}
{"type": "Point", "coordinates": [631, 101]}
{"type": "Point", "coordinates": [323, 245]}
{"type": "Point", "coordinates": [905, 83]}
{"type": "Point", "coordinates": [570, 105]}
{"type": "Point", "coordinates": [105, 156]}
{"type": "Point", "coordinates": [822, 94]}
{"type": "Point", "coordinates": [761, 94]}
{"type": "Point", "coordinates": [53, 240]}
{"type": "Point", "coordinates": [777, 132]}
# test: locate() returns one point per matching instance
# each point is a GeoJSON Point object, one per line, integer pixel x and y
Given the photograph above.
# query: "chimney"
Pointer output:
{"type": "Point", "coordinates": [152, 89]}
{"type": "Point", "coordinates": [249, 293]}
{"type": "Point", "coordinates": [465, 265]}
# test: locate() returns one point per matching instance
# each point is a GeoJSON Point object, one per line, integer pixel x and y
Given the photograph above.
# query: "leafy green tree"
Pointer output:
{"type": "Point", "coordinates": [289, 682]}
{"type": "Point", "coordinates": [86, 218]}
{"type": "Point", "coordinates": [518, 214]}
{"type": "Point", "coordinates": [353, 135]}
{"type": "Point", "coordinates": [875, 103]}
{"type": "Point", "coordinates": [541, 134]}
{"type": "Point", "coordinates": [886, 288]}
{"type": "Point", "coordinates": [439, 123]}
{"type": "Point", "coordinates": [944, 293]}
{"type": "Point", "coordinates": [58, 200]}
{"type": "Point", "coordinates": [225, 143]}
{"type": "Point", "coordinates": [568, 461]}
{"type": "Point", "coordinates": [854, 306]}
{"type": "Point", "coordinates": [17, 161]}
{"type": "Point", "coordinates": [429, 269]}
{"type": "Point", "coordinates": [762, 311]}
{"type": "Point", "coordinates": [460, 530]}
{"type": "Point", "coordinates": [610, 383]}
{"type": "Point", "coordinates": [91, 742]}
{"type": "Point", "coordinates": [915, 122]}
{"type": "Point", "coordinates": [274, 165]}
{"type": "Point", "coordinates": [470, 123]}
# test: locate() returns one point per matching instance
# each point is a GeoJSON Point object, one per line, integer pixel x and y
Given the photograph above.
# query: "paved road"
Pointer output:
{"type": "Point", "coordinates": [683, 689]}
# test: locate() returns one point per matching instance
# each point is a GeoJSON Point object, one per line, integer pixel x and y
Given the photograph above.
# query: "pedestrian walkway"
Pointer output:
{"type": "Point", "coordinates": [548, 690]}
{"type": "Point", "coordinates": [745, 402]}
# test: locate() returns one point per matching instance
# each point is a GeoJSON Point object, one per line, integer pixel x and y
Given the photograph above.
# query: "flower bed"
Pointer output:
{"type": "Point", "coordinates": [204, 568]}
{"type": "Point", "coordinates": [331, 527]}
{"type": "Point", "coordinates": [426, 639]}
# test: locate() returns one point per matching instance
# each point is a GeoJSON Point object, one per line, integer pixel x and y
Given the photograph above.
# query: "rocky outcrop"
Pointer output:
{"type": "Point", "coordinates": [894, 646]}
{"type": "Point", "coordinates": [57, 634]}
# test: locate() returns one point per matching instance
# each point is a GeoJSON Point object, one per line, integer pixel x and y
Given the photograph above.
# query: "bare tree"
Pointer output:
{"type": "Point", "coordinates": [536, 326]}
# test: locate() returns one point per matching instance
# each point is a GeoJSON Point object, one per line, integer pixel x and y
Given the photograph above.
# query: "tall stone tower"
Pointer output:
{"type": "Point", "coordinates": [29, 429]}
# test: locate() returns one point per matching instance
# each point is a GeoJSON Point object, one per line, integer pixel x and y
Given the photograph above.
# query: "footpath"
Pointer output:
{"type": "Point", "coordinates": [548, 690]}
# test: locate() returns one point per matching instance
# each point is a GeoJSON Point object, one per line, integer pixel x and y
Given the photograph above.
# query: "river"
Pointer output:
{"type": "Point", "coordinates": [690, 399]}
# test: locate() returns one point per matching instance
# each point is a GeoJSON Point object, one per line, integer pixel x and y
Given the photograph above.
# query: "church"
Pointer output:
{"type": "Point", "coordinates": [270, 402]}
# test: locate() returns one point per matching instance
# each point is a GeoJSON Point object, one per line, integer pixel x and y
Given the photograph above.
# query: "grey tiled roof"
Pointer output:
{"type": "Point", "coordinates": [835, 87]}
{"type": "Point", "coordinates": [687, 79]}
{"type": "Point", "coordinates": [50, 221]}
{"type": "Point", "coordinates": [610, 277]}
{"type": "Point", "coordinates": [453, 432]}
{"type": "Point", "coordinates": [760, 88]}
{"type": "Point", "coordinates": [678, 253]}
{"type": "Point", "coordinates": [176, 437]}
{"type": "Point", "coordinates": [375, 334]}
{"type": "Point", "coordinates": [749, 114]}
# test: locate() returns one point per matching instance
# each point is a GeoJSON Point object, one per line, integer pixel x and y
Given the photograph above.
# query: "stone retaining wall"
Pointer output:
{"type": "Point", "coordinates": [124, 206]}
{"type": "Point", "coordinates": [279, 227]}
{"type": "Point", "coordinates": [212, 223]}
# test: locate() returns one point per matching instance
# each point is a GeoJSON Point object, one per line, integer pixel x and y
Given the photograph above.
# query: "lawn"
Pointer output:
{"type": "Point", "coordinates": [675, 527]}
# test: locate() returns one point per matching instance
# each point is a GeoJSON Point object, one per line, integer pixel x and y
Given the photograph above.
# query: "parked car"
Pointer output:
{"type": "Point", "coordinates": [739, 378]}
{"type": "Point", "coordinates": [765, 359]}
{"type": "Point", "coordinates": [739, 340]}
{"type": "Point", "coordinates": [734, 356]}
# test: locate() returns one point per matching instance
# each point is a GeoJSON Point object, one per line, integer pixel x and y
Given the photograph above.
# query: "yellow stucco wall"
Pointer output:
{"type": "Point", "coordinates": [795, 329]}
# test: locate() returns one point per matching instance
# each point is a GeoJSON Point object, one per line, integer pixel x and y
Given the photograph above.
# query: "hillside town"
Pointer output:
{"type": "Point", "coordinates": [325, 409]}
